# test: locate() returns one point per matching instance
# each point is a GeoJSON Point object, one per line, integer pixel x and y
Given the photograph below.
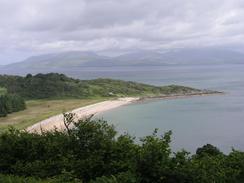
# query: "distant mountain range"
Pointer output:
{"type": "Point", "coordinates": [77, 59]}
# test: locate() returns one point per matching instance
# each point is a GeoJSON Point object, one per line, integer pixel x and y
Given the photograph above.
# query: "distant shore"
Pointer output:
{"type": "Point", "coordinates": [83, 112]}
{"type": "Point", "coordinates": [176, 96]}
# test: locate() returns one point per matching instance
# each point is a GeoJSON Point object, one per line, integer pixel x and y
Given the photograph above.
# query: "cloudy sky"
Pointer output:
{"type": "Point", "coordinates": [30, 27]}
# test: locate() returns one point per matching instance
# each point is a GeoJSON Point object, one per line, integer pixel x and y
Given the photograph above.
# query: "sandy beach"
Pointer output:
{"type": "Point", "coordinates": [83, 112]}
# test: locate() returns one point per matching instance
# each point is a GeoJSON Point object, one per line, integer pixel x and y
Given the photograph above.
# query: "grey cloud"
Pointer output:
{"type": "Point", "coordinates": [40, 26]}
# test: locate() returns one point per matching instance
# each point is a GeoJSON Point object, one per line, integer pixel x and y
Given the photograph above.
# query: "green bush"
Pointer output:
{"type": "Point", "coordinates": [11, 103]}
{"type": "Point", "coordinates": [16, 179]}
{"type": "Point", "coordinates": [19, 179]}
{"type": "Point", "coordinates": [93, 152]}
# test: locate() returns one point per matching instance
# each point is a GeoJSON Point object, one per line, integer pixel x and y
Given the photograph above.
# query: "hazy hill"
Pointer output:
{"type": "Point", "coordinates": [181, 57]}
{"type": "Point", "coordinates": [55, 60]}
{"type": "Point", "coordinates": [69, 60]}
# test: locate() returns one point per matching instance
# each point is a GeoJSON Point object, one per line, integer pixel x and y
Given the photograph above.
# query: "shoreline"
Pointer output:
{"type": "Point", "coordinates": [179, 96]}
{"type": "Point", "coordinates": [82, 112]}
{"type": "Point", "coordinates": [56, 122]}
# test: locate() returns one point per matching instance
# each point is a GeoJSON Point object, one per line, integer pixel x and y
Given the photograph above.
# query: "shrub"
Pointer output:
{"type": "Point", "coordinates": [93, 152]}
{"type": "Point", "coordinates": [11, 103]}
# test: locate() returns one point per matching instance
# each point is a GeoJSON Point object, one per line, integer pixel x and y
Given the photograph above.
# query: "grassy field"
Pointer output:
{"type": "Point", "coordinates": [3, 91]}
{"type": "Point", "coordinates": [38, 110]}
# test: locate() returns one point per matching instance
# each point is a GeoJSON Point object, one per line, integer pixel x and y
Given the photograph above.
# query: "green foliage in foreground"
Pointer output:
{"type": "Point", "coordinates": [93, 152]}
{"type": "Point", "coordinates": [55, 85]}
{"type": "Point", "coordinates": [10, 104]}
{"type": "Point", "coordinates": [21, 179]}
{"type": "Point", "coordinates": [15, 179]}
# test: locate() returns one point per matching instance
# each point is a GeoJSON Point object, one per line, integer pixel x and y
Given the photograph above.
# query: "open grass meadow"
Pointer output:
{"type": "Point", "coordinates": [38, 110]}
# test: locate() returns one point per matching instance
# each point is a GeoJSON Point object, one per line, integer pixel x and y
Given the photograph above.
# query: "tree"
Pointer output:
{"type": "Point", "coordinates": [93, 152]}
{"type": "Point", "coordinates": [208, 149]}
{"type": "Point", "coordinates": [3, 111]}
{"type": "Point", "coordinates": [11, 103]}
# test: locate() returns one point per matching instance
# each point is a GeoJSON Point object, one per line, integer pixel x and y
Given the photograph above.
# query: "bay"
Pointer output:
{"type": "Point", "coordinates": [194, 121]}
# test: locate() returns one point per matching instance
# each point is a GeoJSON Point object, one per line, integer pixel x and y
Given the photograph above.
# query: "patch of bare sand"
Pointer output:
{"type": "Point", "coordinates": [83, 112]}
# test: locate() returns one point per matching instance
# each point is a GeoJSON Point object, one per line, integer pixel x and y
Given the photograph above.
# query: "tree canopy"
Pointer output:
{"type": "Point", "coordinates": [53, 85]}
{"type": "Point", "coordinates": [10, 103]}
{"type": "Point", "coordinates": [93, 152]}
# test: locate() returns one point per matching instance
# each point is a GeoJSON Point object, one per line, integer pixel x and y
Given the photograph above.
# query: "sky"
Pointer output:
{"type": "Point", "coordinates": [32, 27]}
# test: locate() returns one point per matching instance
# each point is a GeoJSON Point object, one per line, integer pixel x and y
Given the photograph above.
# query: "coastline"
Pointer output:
{"type": "Point", "coordinates": [178, 96]}
{"type": "Point", "coordinates": [82, 112]}
{"type": "Point", "coordinates": [56, 122]}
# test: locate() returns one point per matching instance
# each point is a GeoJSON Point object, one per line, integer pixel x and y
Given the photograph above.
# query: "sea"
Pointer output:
{"type": "Point", "coordinates": [195, 121]}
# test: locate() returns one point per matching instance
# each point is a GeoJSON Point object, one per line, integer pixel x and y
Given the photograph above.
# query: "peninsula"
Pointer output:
{"type": "Point", "coordinates": [49, 95]}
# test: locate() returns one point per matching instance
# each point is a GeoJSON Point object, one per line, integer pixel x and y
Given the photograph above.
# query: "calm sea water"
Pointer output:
{"type": "Point", "coordinates": [218, 120]}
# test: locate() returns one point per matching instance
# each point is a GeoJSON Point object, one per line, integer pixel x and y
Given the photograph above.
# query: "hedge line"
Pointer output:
{"type": "Point", "coordinates": [11, 103]}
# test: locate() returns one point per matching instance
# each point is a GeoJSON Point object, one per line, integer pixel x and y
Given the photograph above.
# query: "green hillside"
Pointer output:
{"type": "Point", "coordinates": [58, 86]}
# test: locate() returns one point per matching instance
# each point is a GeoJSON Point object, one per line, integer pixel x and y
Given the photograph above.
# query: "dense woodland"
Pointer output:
{"type": "Point", "coordinates": [93, 152]}
{"type": "Point", "coordinates": [43, 86]}
{"type": "Point", "coordinates": [10, 103]}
